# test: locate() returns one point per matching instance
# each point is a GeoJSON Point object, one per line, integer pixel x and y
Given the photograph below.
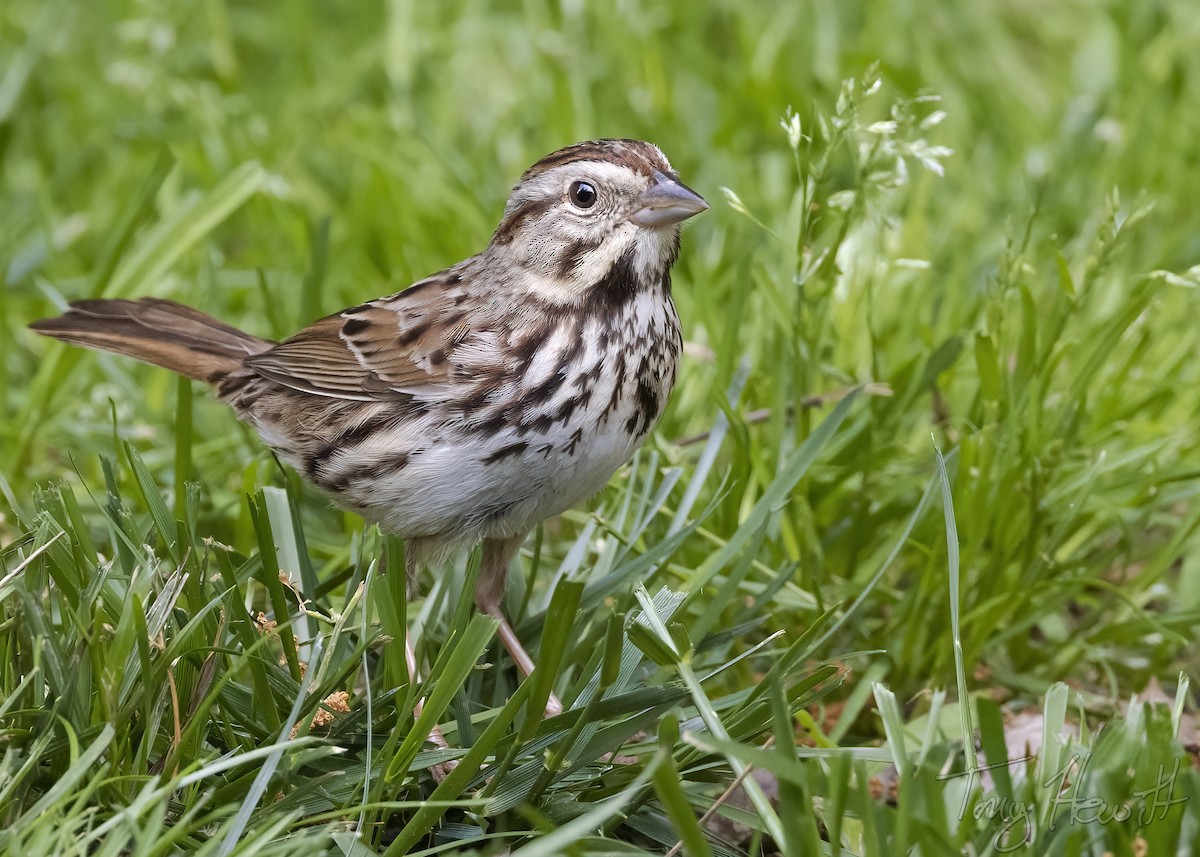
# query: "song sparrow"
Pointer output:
{"type": "Point", "coordinates": [481, 400]}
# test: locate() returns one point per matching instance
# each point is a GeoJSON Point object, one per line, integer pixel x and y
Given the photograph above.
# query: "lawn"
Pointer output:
{"type": "Point", "coordinates": [925, 499]}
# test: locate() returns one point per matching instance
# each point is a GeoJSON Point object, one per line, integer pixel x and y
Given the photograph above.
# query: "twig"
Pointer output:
{"type": "Point", "coordinates": [720, 802]}
{"type": "Point", "coordinates": [178, 739]}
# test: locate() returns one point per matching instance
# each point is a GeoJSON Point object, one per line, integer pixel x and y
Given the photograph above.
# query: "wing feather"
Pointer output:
{"type": "Point", "coordinates": [400, 346]}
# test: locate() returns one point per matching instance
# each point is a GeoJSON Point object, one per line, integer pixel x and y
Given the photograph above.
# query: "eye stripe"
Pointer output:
{"type": "Point", "coordinates": [526, 211]}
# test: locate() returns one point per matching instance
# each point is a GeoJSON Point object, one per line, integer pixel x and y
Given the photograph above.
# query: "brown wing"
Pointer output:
{"type": "Point", "coordinates": [395, 346]}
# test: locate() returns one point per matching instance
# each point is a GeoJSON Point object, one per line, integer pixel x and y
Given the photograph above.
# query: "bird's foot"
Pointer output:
{"type": "Point", "coordinates": [440, 772]}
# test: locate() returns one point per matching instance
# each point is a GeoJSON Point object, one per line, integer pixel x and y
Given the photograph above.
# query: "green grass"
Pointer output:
{"type": "Point", "coordinates": [787, 578]}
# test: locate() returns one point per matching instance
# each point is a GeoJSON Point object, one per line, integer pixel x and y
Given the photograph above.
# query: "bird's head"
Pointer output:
{"type": "Point", "coordinates": [601, 215]}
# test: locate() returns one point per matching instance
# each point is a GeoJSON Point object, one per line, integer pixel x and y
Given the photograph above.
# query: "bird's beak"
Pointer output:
{"type": "Point", "coordinates": [666, 201]}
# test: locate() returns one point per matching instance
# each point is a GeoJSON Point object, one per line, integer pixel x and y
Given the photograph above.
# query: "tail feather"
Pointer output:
{"type": "Point", "coordinates": [156, 331]}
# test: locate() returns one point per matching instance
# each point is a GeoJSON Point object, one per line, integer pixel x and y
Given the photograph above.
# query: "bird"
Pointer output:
{"type": "Point", "coordinates": [481, 400]}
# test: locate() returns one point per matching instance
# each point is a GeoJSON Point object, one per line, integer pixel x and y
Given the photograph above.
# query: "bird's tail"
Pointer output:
{"type": "Point", "coordinates": [156, 331]}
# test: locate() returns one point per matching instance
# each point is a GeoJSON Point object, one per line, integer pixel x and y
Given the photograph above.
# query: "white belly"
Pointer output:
{"type": "Point", "coordinates": [504, 488]}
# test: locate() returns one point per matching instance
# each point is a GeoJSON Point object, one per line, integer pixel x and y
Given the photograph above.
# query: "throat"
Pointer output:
{"type": "Point", "coordinates": [592, 275]}
{"type": "Point", "coordinates": [630, 275]}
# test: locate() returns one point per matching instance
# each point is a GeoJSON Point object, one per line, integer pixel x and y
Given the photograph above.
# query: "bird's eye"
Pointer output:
{"type": "Point", "coordinates": [582, 194]}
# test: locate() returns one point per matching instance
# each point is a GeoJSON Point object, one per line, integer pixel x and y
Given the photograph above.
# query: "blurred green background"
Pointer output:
{"type": "Point", "coordinates": [1033, 309]}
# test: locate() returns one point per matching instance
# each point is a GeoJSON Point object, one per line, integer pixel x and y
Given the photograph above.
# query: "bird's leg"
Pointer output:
{"type": "Point", "coordinates": [410, 659]}
{"type": "Point", "coordinates": [489, 595]}
{"type": "Point", "coordinates": [436, 738]}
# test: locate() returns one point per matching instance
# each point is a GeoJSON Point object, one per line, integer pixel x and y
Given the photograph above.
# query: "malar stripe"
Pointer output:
{"type": "Point", "coordinates": [572, 258]}
{"type": "Point", "coordinates": [615, 289]}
